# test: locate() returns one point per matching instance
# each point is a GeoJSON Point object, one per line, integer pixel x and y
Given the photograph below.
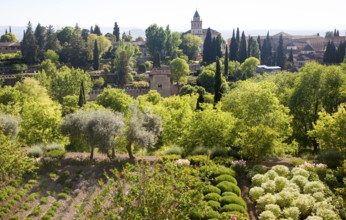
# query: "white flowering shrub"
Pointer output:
{"type": "Point", "coordinates": [314, 217]}
{"type": "Point", "coordinates": [256, 192]}
{"type": "Point", "coordinates": [271, 174]}
{"type": "Point", "coordinates": [304, 203]}
{"type": "Point", "coordinates": [258, 179]}
{"type": "Point", "coordinates": [319, 196]}
{"type": "Point", "coordinates": [280, 183]}
{"type": "Point", "coordinates": [327, 214]}
{"type": "Point", "coordinates": [284, 198]}
{"type": "Point", "coordinates": [275, 209]}
{"type": "Point", "coordinates": [182, 162]}
{"type": "Point", "coordinates": [267, 215]}
{"type": "Point", "coordinates": [300, 181]}
{"type": "Point", "coordinates": [313, 187]}
{"type": "Point", "coordinates": [265, 200]}
{"type": "Point", "coordinates": [291, 213]}
{"type": "Point", "coordinates": [300, 171]}
{"type": "Point", "coordinates": [281, 170]}
{"type": "Point", "coordinates": [269, 186]}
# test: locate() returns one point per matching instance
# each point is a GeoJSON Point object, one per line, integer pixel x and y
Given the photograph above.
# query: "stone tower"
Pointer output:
{"type": "Point", "coordinates": [159, 80]}
{"type": "Point", "coordinates": [196, 25]}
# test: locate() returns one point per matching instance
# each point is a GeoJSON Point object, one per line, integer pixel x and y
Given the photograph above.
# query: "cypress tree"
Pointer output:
{"type": "Point", "coordinates": [97, 30]}
{"type": "Point", "coordinates": [52, 42]}
{"type": "Point", "coordinates": [92, 30]}
{"type": "Point", "coordinates": [330, 55]}
{"type": "Point", "coordinates": [10, 30]}
{"type": "Point", "coordinates": [207, 48]}
{"type": "Point", "coordinates": [280, 54]}
{"type": "Point", "coordinates": [233, 48]}
{"type": "Point", "coordinates": [266, 52]}
{"type": "Point", "coordinates": [5, 31]}
{"type": "Point", "coordinates": [41, 40]}
{"type": "Point", "coordinates": [28, 46]}
{"type": "Point", "coordinates": [201, 92]}
{"type": "Point", "coordinates": [81, 99]}
{"type": "Point", "coordinates": [290, 58]}
{"type": "Point", "coordinates": [225, 72]}
{"type": "Point", "coordinates": [259, 42]}
{"type": "Point", "coordinates": [263, 52]}
{"type": "Point", "coordinates": [216, 48]}
{"type": "Point", "coordinates": [341, 52]}
{"type": "Point", "coordinates": [254, 50]}
{"type": "Point", "coordinates": [217, 86]}
{"type": "Point", "coordinates": [157, 60]}
{"type": "Point", "coordinates": [116, 31]}
{"type": "Point", "coordinates": [249, 46]}
{"type": "Point", "coordinates": [96, 61]}
{"type": "Point", "coordinates": [237, 38]}
{"type": "Point", "coordinates": [242, 49]}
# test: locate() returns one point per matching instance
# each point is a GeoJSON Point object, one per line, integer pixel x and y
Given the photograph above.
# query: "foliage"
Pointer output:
{"type": "Point", "coordinates": [232, 208]}
{"type": "Point", "coordinates": [179, 69]}
{"type": "Point", "coordinates": [212, 196]}
{"type": "Point", "coordinates": [115, 99]}
{"type": "Point", "coordinates": [225, 177]}
{"type": "Point", "coordinates": [226, 186]}
{"type": "Point", "coordinates": [225, 200]}
{"type": "Point", "coordinates": [191, 46]}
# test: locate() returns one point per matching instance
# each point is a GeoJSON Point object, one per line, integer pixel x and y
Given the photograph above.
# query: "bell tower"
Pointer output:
{"type": "Point", "coordinates": [196, 25]}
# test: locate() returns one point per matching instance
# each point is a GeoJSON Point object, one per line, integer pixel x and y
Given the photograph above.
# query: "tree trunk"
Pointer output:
{"type": "Point", "coordinates": [92, 153]}
{"type": "Point", "coordinates": [129, 150]}
{"type": "Point", "coordinates": [113, 153]}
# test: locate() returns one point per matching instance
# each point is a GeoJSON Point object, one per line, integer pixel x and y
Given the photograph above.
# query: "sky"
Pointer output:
{"type": "Point", "coordinates": [217, 14]}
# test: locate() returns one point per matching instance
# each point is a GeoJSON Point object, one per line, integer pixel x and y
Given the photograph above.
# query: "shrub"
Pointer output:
{"type": "Point", "coordinates": [271, 174]}
{"type": "Point", "coordinates": [214, 205]}
{"type": "Point", "coordinates": [62, 196]}
{"type": "Point", "coordinates": [225, 177]}
{"type": "Point", "coordinates": [232, 200]}
{"type": "Point", "coordinates": [212, 214]}
{"type": "Point", "coordinates": [220, 170]}
{"type": "Point", "coordinates": [54, 146]}
{"type": "Point", "coordinates": [211, 189]}
{"type": "Point", "coordinates": [297, 161]}
{"type": "Point", "coordinates": [44, 200]}
{"type": "Point", "coordinates": [332, 158]}
{"type": "Point", "coordinates": [314, 217]}
{"type": "Point", "coordinates": [258, 179]}
{"type": "Point", "coordinates": [257, 169]}
{"type": "Point", "coordinates": [280, 183]}
{"type": "Point", "coordinates": [299, 181]}
{"type": "Point", "coordinates": [229, 194]}
{"type": "Point", "coordinates": [269, 186]}
{"type": "Point", "coordinates": [218, 152]}
{"type": "Point", "coordinates": [171, 157]}
{"type": "Point", "coordinates": [32, 197]}
{"type": "Point", "coordinates": [304, 204]}
{"type": "Point", "coordinates": [25, 206]}
{"type": "Point", "coordinates": [265, 200]}
{"type": "Point", "coordinates": [284, 198]}
{"type": "Point", "coordinates": [225, 161]}
{"type": "Point", "coordinates": [275, 209]}
{"type": "Point", "coordinates": [319, 196]}
{"type": "Point", "coordinates": [200, 151]}
{"type": "Point", "coordinates": [300, 171]}
{"type": "Point", "coordinates": [267, 215]}
{"type": "Point", "coordinates": [212, 196]}
{"type": "Point", "coordinates": [198, 159]}
{"type": "Point", "coordinates": [196, 214]}
{"type": "Point", "coordinates": [226, 186]}
{"type": "Point", "coordinates": [292, 213]}
{"type": "Point", "coordinates": [255, 193]}
{"type": "Point", "coordinates": [331, 181]}
{"type": "Point", "coordinates": [35, 151]}
{"type": "Point", "coordinates": [281, 170]}
{"type": "Point", "coordinates": [313, 187]}
{"type": "Point", "coordinates": [36, 211]}
{"type": "Point", "coordinates": [233, 208]}
{"type": "Point", "coordinates": [14, 217]}
{"type": "Point", "coordinates": [55, 154]}
{"type": "Point", "coordinates": [175, 150]}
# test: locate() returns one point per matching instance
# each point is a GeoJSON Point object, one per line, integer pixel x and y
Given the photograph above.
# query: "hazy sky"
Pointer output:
{"type": "Point", "coordinates": [218, 14]}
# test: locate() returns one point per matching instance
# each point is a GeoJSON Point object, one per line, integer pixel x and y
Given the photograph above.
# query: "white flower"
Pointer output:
{"type": "Point", "coordinates": [182, 162]}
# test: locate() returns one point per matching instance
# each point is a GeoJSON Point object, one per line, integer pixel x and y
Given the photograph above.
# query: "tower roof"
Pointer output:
{"type": "Point", "coordinates": [196, 14]}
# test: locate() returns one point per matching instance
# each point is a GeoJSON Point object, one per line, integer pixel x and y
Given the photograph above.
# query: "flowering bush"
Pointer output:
{"type": "Point", "coordinates": [304, 204]}
{"type": "Point", "coordinates": [313, 187]}
{"type": "Point", "coordinates": [267, 215]}
{"type": "Point", "coordinates": [269, 186]}
{"type": "Point", "coordinates": [284, 198]}
{"type": "Point", "coordinates": [256, 192]}
{"type": "Point", "coordinates": [291, 213]}
{"type": "Point", "coordinates": [300, 171]}
{"type": "Point", "coordinates": [280, 183]}
{"type": "Point", "coordinates": [281, 170]}
{"type": "Point", "coordinates": [239, 165]}
{"type": "Point", "coordinates": [275, 209]}
{"type": "Point", "coordinates": [300, 181]}
{"type": "Point", "coordinates": [271, 174]}
{"type": "Point", "coordinates": [182, 162]}
{"type": "Point", "coordinates": [265, 200]}
{"type": "Point", "coordinates": [258, 179]}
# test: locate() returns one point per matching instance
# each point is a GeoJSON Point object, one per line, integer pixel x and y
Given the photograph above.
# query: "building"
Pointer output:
{"type": "Point", "coordinates": [197, 28]}
{"type": "Point", "coordinates": [267, 69]}
{"type": "Point", "coordinates": [9, 47]}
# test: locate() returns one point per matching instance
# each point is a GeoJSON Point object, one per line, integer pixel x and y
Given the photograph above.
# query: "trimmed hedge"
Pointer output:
{"type": "Point", "coordinates": [211, 189]}
{"type": "Point", "coordinates": [233, 208]}
{"type": "Point", "coordinates": [226, 186]}
{"type": "Point", "coordinates": [212, 196]}
{"type": "Point", "coordinates": [212, 214]}
{"type": "Point", "coordinates": [214, 205]}
{"type": "Point", "coordinates": [225, 177]}
{"type": "Point", "coordinates": [232, 200]}
{"type": "Point", "coordinates": [229, 194]}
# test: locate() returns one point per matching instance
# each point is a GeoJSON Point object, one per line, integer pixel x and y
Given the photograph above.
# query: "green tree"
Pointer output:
{"type": "Point", "coordinates": [52, 56]}
{"type": "Point", "coordinates": [41, 40]}
{"type": "Point", "coordinates": [330, 130]}
{"type": "Point", "coordinates": [280, 54]}
{"type": "Point", "coordinates": [330, 54]}
{"type": "Point", "coordinates": [179, 69]}
{"type": "Point", "coordinates": [248, 67]}
{"type": "Point", "coordinates": [123, 62]}
{"type": "Point", "coordinates": [191, 46]}
{"type": "Point", "coordinates": [81, 98]}
{"type": "Point", "coordinates": [28, 46]}
{"type": "Point", "coordinates": [233, 48]}
{"type": "Point", "coordinates": [172, 43]}
{"type": "Point", "coordinates": [97, 30]}
{"type": "Point", "coordinates": [116, 32]}
{"type": "Point", "coordinates": [266, 51]}
{"type": "Point", "coordinates": [115, 99]}
{"type": "Point", "coordinates": [225, 63]}
{"type": "Point", "coordinates": [9, 37]}
{"type": "Point", "coordinates": [157, 60]}
{"type": "Point", "coordinates": [242, 49]}
{"type": "Point", "coordinates": [96, 62]}
{"type": "Point", "coordinates": [208, 48]}
{"type": "Point", "coordinates": [155, 39]}
{"type": "Point", "coordinates": [216, 47]}
{"type": "Point", "coordinates": [290, 58]}
{"type": "Point", "coordinates": [254, 50]}
{"type": "Point", "coordinates": [103, 45]}
{"type": "Point", "coordinates": [78, 53]}
{"type": "Point", "coordinates": [217, 85]}
{"type": "Point", "coordinates": [341, 52]}
{"type": "Point", "coordinates": [52, 42]}
{"type": "Point", "coordinates": [65, 35]}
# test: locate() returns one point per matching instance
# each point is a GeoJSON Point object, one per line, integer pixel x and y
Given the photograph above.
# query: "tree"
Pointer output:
{"type": "Point", "coordinates": [157, 60]}
{"type": "Point", "coordinates": [126, 37]}
{"type": "Point", "coordinates": [116, 32]}
{"type": "Point", "coordinates": [242, 49]}
{"type": "Point", "coordinates": [290, 58]}
{"type": "Point", "coordinates": [81, 98]}
{"type": "Point", "coordinates": [330, 55]}
{"type": "Point", "coordinates": [155, 39]}
{"type": "Point", "coordinates": [208, 48]}
{"type": "Point", "coordinates": [233, 48]}
{"type": "Point", "coordinates": [266, 51]}
{"type": "Point", "coordinates": [52, 56]}
{"type": "Point", "coordinates": [191, 46]}
{"type": "Point", "coordinates": [248, 67]}
{"type": "Point", "coordinates": [9, 37]}
{"type": "Point", "coordinates": [255, 50]}
{"type": "Point", "coordinates": [143, 129]}
{"type": "Point", "coordinates": [172, 43]}
{"type": "Point", "coordinates": [64, 35]}
{"type": "Point", "coordinates": [115, 99]}
{"type": "Point", "coordinates": [179, 69]}
{"type": "Point", "coordinates": [96, 128]}
{"type": "Point", "coordinates": [225, 63]}
{"type": "Point", "coordinates": [28, 46]}
{"type": "Point", "coordinates": [96, 62]}
{"type": "Point", "coordinates": [341, 52]}
{"type": "Point", "coordinates": [78, 53]}
{"type": "Point", "coordinates": [123, 62]}
{"type": "Point", "coordinates": [259, 42]}
{"type": "Point", "coordinates": [41, 40]}
{"type": "Point", "coordinates": [329, 130]}
{"type": "Point", "coordinates": [217, 86]}
{"type": "Point", "coordinates": [264, 124]}
{"type": "Point", "coordinates": [216, 48]}
{"type": "Point", "coordinates": [97, 30]}
{"type": "Point", "coordinates": [103, 45]}
{"type": "Point", "coordinates": [280, 54]}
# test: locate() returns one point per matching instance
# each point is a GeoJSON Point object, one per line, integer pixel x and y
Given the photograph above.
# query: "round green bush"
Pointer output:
{"type": "Point", "coordinates": [220, 170]}
{"type": "Point", "coordinates": [212, 196]}
{"type": "Point", "coordinates": [218, 152]}
{"type": "Point", "coordinates": [255, 193]}
{"type": "Point", "coordinates": [211, 189]}
{"type": "Point", "coordinates": [233, 208]}
{"type": "Point", "coordinates": [35, 151]}
{"type": "Point", "coordinates": [229, 194]}
{"type": "Point", "coordinates": [232, 200]}
{"type": "Point", "coordinates": [55, 153]}
{"type": "Point", "coordinates": [214, 205]}
{"type": "Point", "coordinates": [226, 186]}
{"type": "Point", "coordinates": [225, 177]}
{"type": "Point", "coordinates": [62, 196]}
{"type": "Point", "coordinates": [281, 170]}
{"type": "Point", "coordinates": [212, 214]}
{"type": "Point", "coordinates": [196, 214]}
{"type": "Point", "coordinates": [267, 215]}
